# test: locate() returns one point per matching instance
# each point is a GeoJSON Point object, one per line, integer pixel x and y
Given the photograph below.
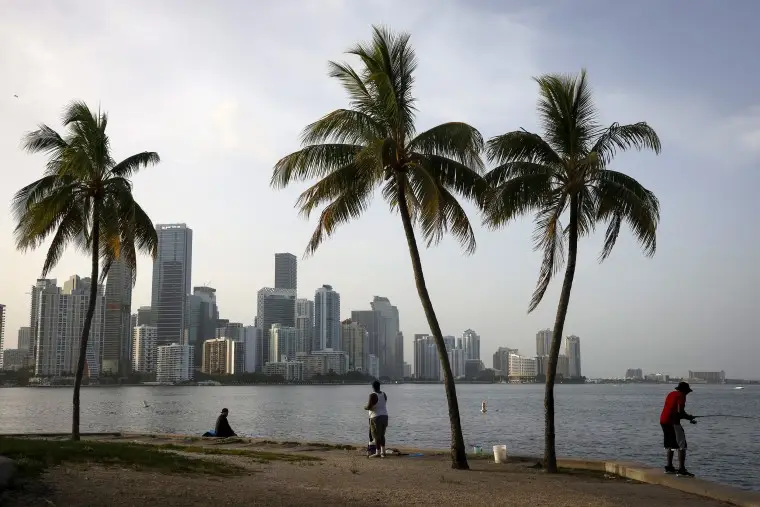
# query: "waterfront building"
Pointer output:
{"type": "Point", "coordinates": [385, 338]}
{"type": "Point", "coordinates": [171, 282]}
{"type": "Point", "coordinates": [326, 319]}
{"type": "Point", "coordinates": [144, 349]}
{"type": "Point", "coordinates": [407, 370]}
{"type": "Point", "coordinates": [291, 371]}
{"type": "Point", "coordinates": [174, 363]}
{"type": "Point", "coordinates": [501, 359]}
{"type": "Point", "coordinates": [457, 359]}
{"type": "Point", "coordinates": [563, 365]}
{"type": "Point", "coordinates": [305, 324]}
{"type": "Point", "coordinates": [544, 342]}
{"type": "Point", "coordinates": [634, 374]}
{"type": "Point", "coordinates": [373, 368]}
{"type": "Point", "coordinates": [283, 342]}
{"type": "Point", "coordinates": [471, 343]}
{"type": "Point", "coordinates": [223, 356]}
{"type": "Point", "coordinates": [285, 271]}
{"type": "Point", "coordinates": [14, 359]}
{"type": "Point", "coordinates": [573, 352]}
{"type": "Point", "coordinates": [117, 333]}
{"type": "Point", "coordinates": [709, 377]}
{"type": "Point", "coordinates": [24, 339]}
{"type": "Point", "coordinates": [355, 343]}
{"type": "Point", "coordinates": [274, 306]}
{"type": "Point", "coordinates": [521, 368]}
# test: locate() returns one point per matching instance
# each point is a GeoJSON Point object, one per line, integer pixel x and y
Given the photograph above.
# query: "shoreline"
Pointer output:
{"type": "Point", "coordinates": [605, 468]}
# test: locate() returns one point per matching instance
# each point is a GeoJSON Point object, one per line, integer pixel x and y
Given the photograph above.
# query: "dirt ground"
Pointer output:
{"type": "Point", "coordinates": [342, 478]}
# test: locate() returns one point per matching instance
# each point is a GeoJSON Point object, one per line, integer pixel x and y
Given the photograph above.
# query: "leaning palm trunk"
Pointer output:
{"type": "Point", "coordinates": [550, 453]}
{"type": "Point", "coordinates": [458, 454]}
{"type": "Point", "coordinates": [87, 322]}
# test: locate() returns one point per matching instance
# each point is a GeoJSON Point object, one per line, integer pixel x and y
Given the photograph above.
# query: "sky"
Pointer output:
{"type": "Point", "coordinates": [222, 90]}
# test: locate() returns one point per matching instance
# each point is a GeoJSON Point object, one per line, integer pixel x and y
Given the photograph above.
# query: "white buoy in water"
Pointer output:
{"type": "Point", "coordinates": [483, 407]}
{"type": "Point", "coordinates": [145, 404]}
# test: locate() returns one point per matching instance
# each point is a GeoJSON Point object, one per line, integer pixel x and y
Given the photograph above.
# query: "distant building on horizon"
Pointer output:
{"type": "Point", "coordinates": [385, 337]}
{"type": "Point", "coordinates": [355, 343]}
{"type": "Point", "coordinates": [471, 344]}
{"type": "Point", "coordinates": [171, 285]}
{"type": "Point", "coordinates": [274, 306]}
{"type": "Point", "coordinates": [573, 353]}
{"type": "Point", "coordinates": [544, 342]}
{"type": "Point", "coordinates": [144, 349]}
{"type": "Point", "coordinates": [427, 365]}
{"type": "Point", "coordinates": [709, 377]}
{"type": "Point", "coordinates": [24, 341]}
{"type": "Point", "coordinates": [326, 319]}
{"type": "Point", "coordinates": [501, 359]}
{"type": "Point", "coordinates": [305, 323]}
{"type": "Point", "coordinates": [634, 374]}
{"type": "Point", "coordinates": [285, 271]}
{"type": "Point", "coordinates": [117, 332]}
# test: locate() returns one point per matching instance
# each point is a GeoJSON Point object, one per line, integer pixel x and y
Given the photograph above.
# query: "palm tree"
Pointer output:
{"type": "Point", "coordinates": [567, 170]}
{"type": "Point", "coordinates": [84, 198]}
{"type": "Point", "coordinates": [373, 144]}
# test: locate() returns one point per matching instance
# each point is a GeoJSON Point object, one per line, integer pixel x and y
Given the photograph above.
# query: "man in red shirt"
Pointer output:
{"type": "Point", "coordinates": [670, 420]}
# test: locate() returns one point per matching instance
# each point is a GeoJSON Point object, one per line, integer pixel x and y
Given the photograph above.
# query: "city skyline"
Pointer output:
{"type": "Point", "coordinates": [693, 302]}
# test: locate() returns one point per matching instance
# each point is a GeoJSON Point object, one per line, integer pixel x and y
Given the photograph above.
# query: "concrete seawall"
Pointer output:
{"type": "Point", "coordinates": [633, 471]}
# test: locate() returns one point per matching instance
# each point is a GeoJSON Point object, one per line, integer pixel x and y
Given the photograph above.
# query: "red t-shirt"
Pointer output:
{"type": "Point", "coordinates": [674, 404]}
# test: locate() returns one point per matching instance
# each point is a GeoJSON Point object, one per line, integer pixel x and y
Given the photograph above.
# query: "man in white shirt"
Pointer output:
{"type": "Point", "coordinates": [378, 418]}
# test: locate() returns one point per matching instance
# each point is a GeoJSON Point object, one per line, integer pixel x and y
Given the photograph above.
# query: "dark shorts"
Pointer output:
{"type": "Point", "coordinates": [377, 426]}
{"type": "Point", "coordinates": [675, 438]}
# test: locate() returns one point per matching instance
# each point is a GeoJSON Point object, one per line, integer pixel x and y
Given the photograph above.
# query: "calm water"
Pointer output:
{"type": "Point", "coordinates": [595, 421]}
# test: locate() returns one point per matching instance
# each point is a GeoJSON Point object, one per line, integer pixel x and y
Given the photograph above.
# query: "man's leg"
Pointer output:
{"type": "Point", "coordinates": [681, 437]}
{"type": "Point", "coordinates": [375, 430]}
{"type": "Point", "coordinates": [670, 443]}
{"type": "Point", "coordinates": [670, 459]}
{"type": "Point", "coordinates": [382, 424]}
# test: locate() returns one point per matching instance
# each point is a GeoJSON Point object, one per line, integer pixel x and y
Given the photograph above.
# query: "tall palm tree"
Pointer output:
{"type": "Point", "coordinates": [373, 144]}
{"type": "Point", "coordinates": [84, 199]}
{"type": "Point", "coordinates": [568, 170]}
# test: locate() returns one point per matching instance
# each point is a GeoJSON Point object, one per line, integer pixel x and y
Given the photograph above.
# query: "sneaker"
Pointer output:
{"type": "Point", "coordinates": [670, 469]}
{"type": "Point", "coordinates": [682, 472]}
{"type": "Point", "coordinates": [374, 455]}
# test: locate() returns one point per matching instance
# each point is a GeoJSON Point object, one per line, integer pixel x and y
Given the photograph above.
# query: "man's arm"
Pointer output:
{"type": "Point", "coordinates": [682, 412]}
{"type": "Point", "coordinates": [372, 402]}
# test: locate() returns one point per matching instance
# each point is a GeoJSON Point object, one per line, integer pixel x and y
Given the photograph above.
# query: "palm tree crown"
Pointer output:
{"type": "Point", "coordinates": [82, 185]}
{"type": "Point", "coordinates": [567, 170]}
{"type": "Point", "coordinates": [374, 144]}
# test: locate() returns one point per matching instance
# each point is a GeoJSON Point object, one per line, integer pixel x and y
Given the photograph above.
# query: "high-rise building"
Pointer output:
{"type": "Point", "coordinates": [407, 370]}
{"type": "Point", "coordinates": [563, 366]}
{"type": "Point", "coordinates": [285, 271]}
{"type": "Point", "coordinates": [59, 319]}
{"type": "Point", "coordinates": [222, 356]}
{"type": "Point", "coordinates": [501, 359]}
{"type": "Point", "coordinates": [521, 367]}
{"type": "Point", "coordinates": [37, 288]}
{"type": "Point", "coordinates": [174, 363]}
{"type": "Point", "coordinates": [305, 323]}
{"type": "Point", "coordinates": [471, 344]}
{"type": "Point", "coordinates": [2, 334]}
{"type": "Point", "coordinates": [144, 349]}
{"type": "Point", "coordinates": [427, 365]}
{"type": "Point", "coordinates": [252, 342]}
{"type": "Point", "coordinates": [709, 377]}
{"type": "Point", "coordinates": [374, 366]}
{"type": "Point", "coordinates": [14, 359]}
{"type": "Point", "coordinates": [203, 319]}
{"type": "Point", "coordinates": [543, 342]}
{"type": "Point", "coordinates": [382, 324]}
{"type": "Point", "coordinates": [573, 353]}
{"type": "Point", "coordinates": [117, 337]}
{"type": "Point", "coordinates": [274, 306]}
{"type": "Point", "coordinates": [171, 282]}
{"type": "Point", "coordinates": [231, 330]}
{"type": "Point", "coordinates": [283, 343]}
{"type": "Point", "coordinates": [327, 319]}
{"type": "Point", "coordinates": [24, 338]}
{"type": "Point", "coordinates": [450, 342]}
{"type": "Point", "coordinates": [145, 316]}
{"type": "Point", "coordinates": [634, 374]}
{"type": "Point", "coordinates": [355, 343]}
{"type": "Point", "coordinates": [457, 361]}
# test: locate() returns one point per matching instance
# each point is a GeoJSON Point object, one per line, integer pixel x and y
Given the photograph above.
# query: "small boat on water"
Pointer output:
{"type": "Point", "coordinates": [483, 407]}
{"type": "Point", "coordinates": [739, 387]}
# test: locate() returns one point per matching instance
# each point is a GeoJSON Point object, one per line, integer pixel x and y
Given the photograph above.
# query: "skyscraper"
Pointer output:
{"type": "Point", "coordinates": [326, 319]}
{"type": "Point", "coordinates": [274, 306]}
{"type": "Point", "coordinates": [37, 289]}
{"type": "Point", "coordinates": [204, 319]}
{"type": "Point", "coordinates": [285, 271]}
{"type": "Point", "coordinates": [427, 364]}
{"type": "Point", "coordinates": [355, 343]}
{"type": "Point", "coordinates": [543, 342]}
{"type": "Point", "coordinates": [145, 316]}
{"type": "Point", "coordinates": [60, 318]}
{"type": "Point", "coordinates": [382, 324]}
{"type": "Point", "coordinates": [24, 339]}
{"type": "Point", "coordinates": [471, 342]}
{"type": "Point", "coordinates": [2, 334]}
{"type": "Point", "coordinates": [305, 323]}
{"type": "Point", "coordinates": [171, 282]}
{"type": "Point", "coordinates": [174, 363]}
{"type": "Point", "coordinates": [283, 343]}
{"type": "Point", "coordinates": [144, 350]}
{"type": "Point", "coordinates": [573, 352]}
{"type": "Point", "coordinates": [117, 338]}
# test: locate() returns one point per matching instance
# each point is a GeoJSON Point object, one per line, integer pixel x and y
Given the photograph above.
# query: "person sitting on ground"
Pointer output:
{"type": "Point", "coordinates": [378, 418]}
{"type": "Point", "coordinates": [675, 438]}
{"type": "Point", "coordinates": [223, 428]}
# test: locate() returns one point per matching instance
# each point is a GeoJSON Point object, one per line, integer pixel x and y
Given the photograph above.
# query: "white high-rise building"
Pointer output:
{"type": "Point", "coordinates": [573, 353]}
{"type": "Point", "coordinates": [59, 319]}
{"type": "Point", "coordinates": [144, 349]}
{"type": "Point", "coordinates": [171, 282]}
{"type": "Point", "coordinates": [174, 363]}
{"type": "Point", "coordinates": [457, 359]}
{"type": "Point", "coordinates": [251, 336]}
{"type": "Point", "coordinates": [374, 366]}
{"type": "Point", "coordinates": [471, 344]}
{"type": "Point", "coordinates": [283, 342]}
{"type": "Point", "coordinates": [326, 319]}
{"type": "Point", "coordinates": [543, 342]}
{"type": "Point", "coordinates": [521, 367]}
{"type": "Point", "coordinates": [305, 323]}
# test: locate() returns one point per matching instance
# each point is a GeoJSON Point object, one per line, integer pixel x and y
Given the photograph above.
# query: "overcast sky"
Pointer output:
{"type": "Point", "coordinates": [221, 91]}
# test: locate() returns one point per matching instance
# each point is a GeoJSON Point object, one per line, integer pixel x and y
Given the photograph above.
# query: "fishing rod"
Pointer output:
{"type": "Point", "coordinates": [727, 415]}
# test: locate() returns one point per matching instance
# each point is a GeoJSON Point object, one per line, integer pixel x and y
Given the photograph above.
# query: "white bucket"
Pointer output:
{"type": "Point", "coordinates": [500, 453]}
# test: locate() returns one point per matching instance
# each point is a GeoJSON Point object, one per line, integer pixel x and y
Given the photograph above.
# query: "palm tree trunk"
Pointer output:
{"type": "Point", "coordinates": [87, 320]}
{"type": "Point", "coordinates": [458, 454]}
{"type": "Point", "coordinates": [550, 453]}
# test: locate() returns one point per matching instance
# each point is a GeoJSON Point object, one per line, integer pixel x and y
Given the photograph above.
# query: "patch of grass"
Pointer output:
{"type": "Point", "coordinates": [258, 456]}
{"type": "Point", "coordinates": [341, 447]}
{"type": "Point", "coordinates": [33, 456]}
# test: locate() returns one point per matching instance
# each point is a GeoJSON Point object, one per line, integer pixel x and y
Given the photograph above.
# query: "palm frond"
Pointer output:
{"type": "Point", "coordinates": [455, 140]}
{"type": "Point", "coordinates": [69, 229]}
{"type": "Point", "coordinates": [521, 146]}
{"type": "Point", "coordinates": [313, 161]}
{"type": "Point", "coordinates": [549, 238]}
{"type": "Point", "coordinates": [526, 187]}
{"type": "Point", "coordinates": [44, 140]}
{"type": "Point", "coordinates": [344, 126]}
{"type": "Point", "coordinates": [355, 176]}
{"type": "Point", "coordinates": [618, 137]}
{"type": "Point", "coordinates": [622, 198]}
{"type": "Point", "coordinates": [567, 112]}
{"type": "Point", "coordinates": [349, 205]}
{"type": "Point", "coordinates": [130, 165]}
{"type": "Point", "coordinates": [41, 217]}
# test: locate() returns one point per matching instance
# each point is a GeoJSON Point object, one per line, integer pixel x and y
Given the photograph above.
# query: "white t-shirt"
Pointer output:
{"type": "Point", "coordinates": [380, 407]}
